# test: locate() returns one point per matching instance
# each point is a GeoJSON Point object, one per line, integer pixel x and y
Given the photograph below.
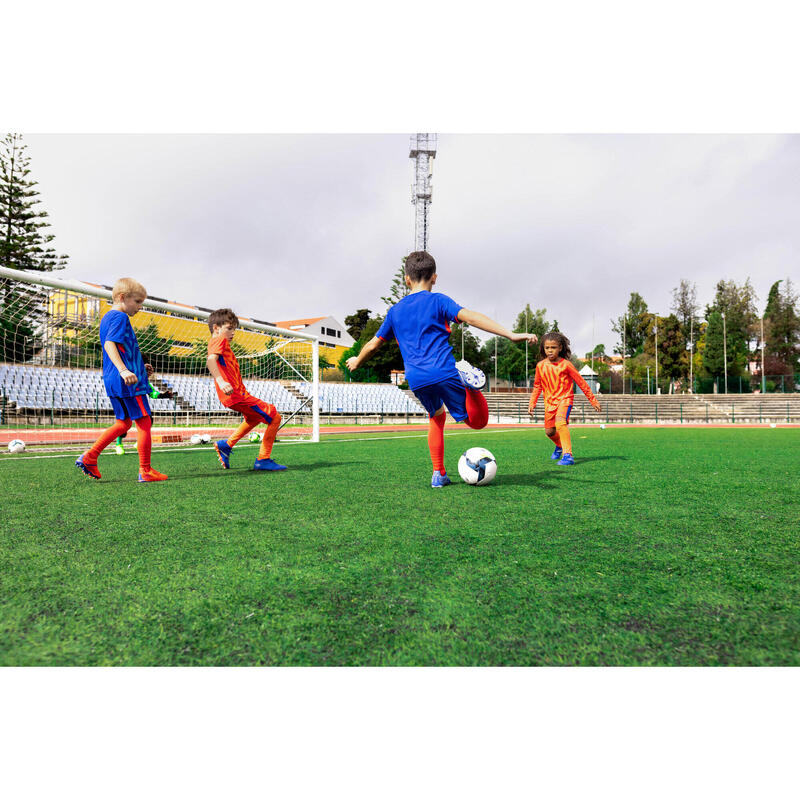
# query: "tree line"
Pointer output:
{"type": "Point", "coordinates": [726, 336]}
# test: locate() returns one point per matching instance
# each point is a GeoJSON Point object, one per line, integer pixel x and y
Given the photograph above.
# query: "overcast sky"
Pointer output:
{"type": "Point", "coordinates": [285, 226]}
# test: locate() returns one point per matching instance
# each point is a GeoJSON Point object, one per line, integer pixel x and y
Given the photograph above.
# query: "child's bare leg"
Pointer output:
{"type": "Point", "coordinates": [436, 439]}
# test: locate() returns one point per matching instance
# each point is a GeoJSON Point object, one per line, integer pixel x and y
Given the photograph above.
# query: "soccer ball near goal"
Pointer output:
{"type": "Point", "coordinates": [477, 466]}
{"type": "Point", "coordinates": [205, 438]}
{"type": "Point", "coordinates": [254, 437]}
{"type": "Point", "coordinates": [195, 438]}
{"type": "Point", "coordinates": [16, 446]}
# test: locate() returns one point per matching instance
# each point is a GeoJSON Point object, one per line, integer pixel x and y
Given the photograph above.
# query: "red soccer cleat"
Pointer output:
{"type": "Point", "coordinates": [150, 475]}
{"type": "Point", "coordinates": [88, 468]}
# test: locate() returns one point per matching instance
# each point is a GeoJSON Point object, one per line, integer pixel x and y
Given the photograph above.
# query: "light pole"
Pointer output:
{"type": "Point", "coordinates": [526, 349]}
{"type": "Point", "coordinates": [725, 351]}
{"type": "Point", "coordinates": [462, 340]}
{"type": "Point", "coordinates": [691, 354]}
{"type": "Point", "coordinates": [624, 325]}
{"type": "Point", "coordinates": [763, 375]}
{"type": "Point", "coordinates": [655, 330]}
{"type": "Point", "coordinates": [648, 379]}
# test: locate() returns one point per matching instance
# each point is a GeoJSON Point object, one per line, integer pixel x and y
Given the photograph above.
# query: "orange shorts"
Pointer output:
{"type": "Point", "coordinates": [553, 413]}
{"type": "Point", "coordinates": [255, 411]}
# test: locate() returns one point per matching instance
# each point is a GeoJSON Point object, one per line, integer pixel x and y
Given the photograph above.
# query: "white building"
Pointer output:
{"type": "Point", "coordinates": [331, 332]}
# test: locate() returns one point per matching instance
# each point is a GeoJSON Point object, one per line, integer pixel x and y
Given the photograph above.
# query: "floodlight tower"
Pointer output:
{"type": "Point", "coordinates": [423, 150]}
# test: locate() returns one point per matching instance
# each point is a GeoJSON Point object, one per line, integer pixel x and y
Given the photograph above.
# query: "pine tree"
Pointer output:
{"type": "Point", "coordinates": [23, 245]}
{"type": "Point", "coordinates": [783, 326]}
{"type": "Point", "coordinates": [356, 322]}
{"type": "Point", "coordinates": [634, 323]}
{"type": "Point", "coordinates": [398, 289]}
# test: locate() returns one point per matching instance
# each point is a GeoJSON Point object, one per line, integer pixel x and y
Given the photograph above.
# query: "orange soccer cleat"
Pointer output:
{"type": "Point", "coordinates": [150, 475]}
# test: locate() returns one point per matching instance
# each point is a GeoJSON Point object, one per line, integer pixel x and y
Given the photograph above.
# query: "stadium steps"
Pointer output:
{"type": "Point", "coordinates": [182, 403]}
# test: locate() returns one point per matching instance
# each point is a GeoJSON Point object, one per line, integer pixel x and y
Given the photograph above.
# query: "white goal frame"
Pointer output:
{"type": "Point", "coordinates": [77, 287]}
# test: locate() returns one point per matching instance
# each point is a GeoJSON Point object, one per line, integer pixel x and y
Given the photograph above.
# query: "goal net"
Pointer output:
{"type": "Point", "coordinates": [51, 385]}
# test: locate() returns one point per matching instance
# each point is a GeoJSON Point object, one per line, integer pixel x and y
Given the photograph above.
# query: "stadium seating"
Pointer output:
{"type": "Point", "coordinates": [362, 398]}
{"type": "Point", "coordinates": [199, 393]}
{"type": "Point", "coordinates": [39, 388]}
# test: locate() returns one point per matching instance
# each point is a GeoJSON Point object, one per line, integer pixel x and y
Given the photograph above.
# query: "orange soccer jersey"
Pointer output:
{"type": "Point", "coordinates": [557, 381]}
{"type": "Point", "coordinates": [229, 367]}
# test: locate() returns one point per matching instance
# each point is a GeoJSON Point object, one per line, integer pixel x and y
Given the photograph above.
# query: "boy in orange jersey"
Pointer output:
{"type": "Point", "coordinates": [556, 376]}
{"type": "Point", "coordinates": [224, 368]}
{"type": "Point", "coordinates": [126, 378]}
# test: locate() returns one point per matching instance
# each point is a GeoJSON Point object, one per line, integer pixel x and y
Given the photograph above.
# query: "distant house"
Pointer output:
{"type": "Point", "coordinates": [590, 376]}
{"type": "Point", "coordinates": [333, 337]}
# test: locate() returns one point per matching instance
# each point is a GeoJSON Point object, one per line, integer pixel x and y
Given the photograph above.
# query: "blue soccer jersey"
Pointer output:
{"type": "Point", "coordinates": [116, 327]}
{"type": "Point", "coordinates": [421, 324]}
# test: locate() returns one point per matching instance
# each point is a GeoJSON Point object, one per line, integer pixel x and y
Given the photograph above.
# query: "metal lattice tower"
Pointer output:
{"type": "Point", "coordinates": [423, 150]}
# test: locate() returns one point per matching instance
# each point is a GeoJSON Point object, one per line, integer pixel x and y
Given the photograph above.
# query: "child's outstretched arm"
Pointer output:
{"type": "Point", "coordinates": [367, 351]}
{"type": "Point", "coordinates": [490, 326]}
{"type": "Point", "coordinates": [214, 369]}
{"type": "Point", "coordinates": [583, 386]}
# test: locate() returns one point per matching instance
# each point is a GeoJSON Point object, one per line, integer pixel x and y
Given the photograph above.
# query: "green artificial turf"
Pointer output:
{"type": "Point", "coordinates": [660, 547]}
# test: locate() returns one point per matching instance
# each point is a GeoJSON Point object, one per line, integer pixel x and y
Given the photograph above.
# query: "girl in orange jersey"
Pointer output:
{"type": "Point", "coordinates": [556, 377]}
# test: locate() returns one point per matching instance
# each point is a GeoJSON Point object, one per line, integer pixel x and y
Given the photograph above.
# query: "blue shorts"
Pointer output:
{"type": "Point", "coordinates": [450, 393]}
{"type": "Point", "coordinates": [130, 407]}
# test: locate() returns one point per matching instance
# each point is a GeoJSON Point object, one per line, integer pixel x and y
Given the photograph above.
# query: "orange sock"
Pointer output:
{"type": "Point", "coordinates": [241, 431]}
{"type": "Point", "coordinates": [436, 441]}
{"type": "Point", "coordinates": [119, 428]}
{"type": "Point", "coordinates": [265, 451]}
{"type": "Point", "coordinates": [556, 439]}
{"type": "Point", "coordinates": [144, 441]}
{"type": "Point", "coordinates": [562, 431]}
{"type": "Point", "coordinates": [477, 409]}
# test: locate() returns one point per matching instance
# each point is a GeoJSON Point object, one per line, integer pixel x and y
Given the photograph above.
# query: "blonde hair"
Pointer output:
{"type": "Point", "coordinates": [127, 286]}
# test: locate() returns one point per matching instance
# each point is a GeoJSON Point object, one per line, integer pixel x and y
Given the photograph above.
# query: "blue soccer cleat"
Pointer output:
{"type": "Point", "coordinates": [566, 460]}
{"type": "Point", "coordinates": [438, 480]}
{"type": "Point", "coordinates": [556, 454]}
{"type": "Point", "coordinates": [268, 465]}
{"type": "Point", "coordinates": [223, 453]}
{"type": "Point", "coordinates": [471, 377]}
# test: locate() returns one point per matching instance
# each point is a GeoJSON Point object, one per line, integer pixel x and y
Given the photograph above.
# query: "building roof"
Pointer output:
{"type": "Point", "coordinates": [296, 323]}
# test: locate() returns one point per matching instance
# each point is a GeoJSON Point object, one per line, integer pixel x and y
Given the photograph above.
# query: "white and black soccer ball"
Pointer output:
{"type": "Point", "coordinates": [195, 438]}
{"type": "Point", "coordinates": [16, 446]}
{"type": "Point", "coordinates": [254, 437]}
{"type": "Point", "coordinates": [205, 438]}
{"type": "Point", "coordinates": [477, 466]}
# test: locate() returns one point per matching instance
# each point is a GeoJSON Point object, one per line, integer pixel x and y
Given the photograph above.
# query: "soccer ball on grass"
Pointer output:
{"type": "Point", "coordinates": [477, 466]}
{"type": "Point", "coordinates": [205, 438]}
{"type": "Point", "coordinates": [195, 438]}
{"type": "Point", "coordinates": [16, 446]}
{"type": "Point", "coordinates": [254, 437]}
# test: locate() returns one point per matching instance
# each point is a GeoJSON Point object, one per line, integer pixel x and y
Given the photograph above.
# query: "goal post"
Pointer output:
{"type": "Point", "coordinates": [51, 388]}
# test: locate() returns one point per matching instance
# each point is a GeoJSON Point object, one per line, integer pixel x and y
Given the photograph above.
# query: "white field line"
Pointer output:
{"type": "Point", "coordinates": [163, 450]}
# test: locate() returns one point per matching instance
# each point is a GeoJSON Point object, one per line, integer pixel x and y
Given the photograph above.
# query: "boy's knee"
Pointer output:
{"type": "Point", "coordinates": [550, 431]}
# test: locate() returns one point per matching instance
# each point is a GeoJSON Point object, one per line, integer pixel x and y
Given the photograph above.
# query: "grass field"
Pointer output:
{"type": "Point", "coordinates": [661, 547]}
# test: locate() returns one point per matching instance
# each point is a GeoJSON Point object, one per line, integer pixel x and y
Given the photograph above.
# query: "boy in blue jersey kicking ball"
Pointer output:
{"type": "Point", "coordinates": [421, 324]}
